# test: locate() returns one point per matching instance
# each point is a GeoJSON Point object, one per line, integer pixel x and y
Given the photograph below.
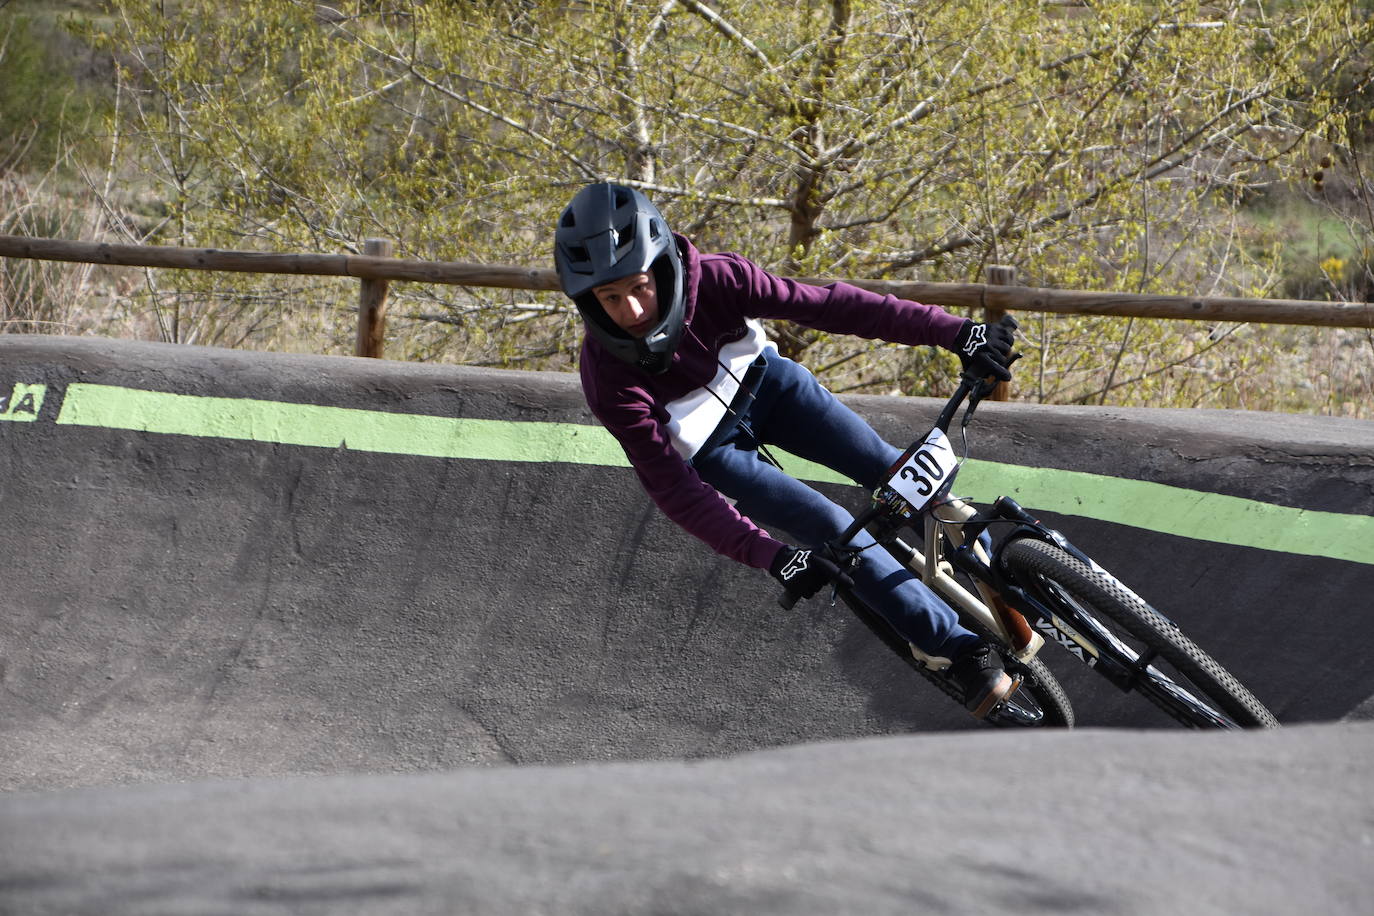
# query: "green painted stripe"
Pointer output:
{"type": "Point", "coordinates": [1174, 510]}
{"type": "Point", "coordinates": [334, 427]}
{"type": "Point", "coordinates": [1140, 504]}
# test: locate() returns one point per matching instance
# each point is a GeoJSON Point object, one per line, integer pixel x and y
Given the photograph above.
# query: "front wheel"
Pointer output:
{"type": "Point", "coordinates": [1198, 691]}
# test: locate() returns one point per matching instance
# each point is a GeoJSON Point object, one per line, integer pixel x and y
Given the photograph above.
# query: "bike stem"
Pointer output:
{"type": "Point", "coordinates": [971, 388]}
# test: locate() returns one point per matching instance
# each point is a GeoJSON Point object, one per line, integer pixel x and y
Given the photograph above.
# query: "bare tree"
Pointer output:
{"type": "Point", "coordinates": [1098, 146]}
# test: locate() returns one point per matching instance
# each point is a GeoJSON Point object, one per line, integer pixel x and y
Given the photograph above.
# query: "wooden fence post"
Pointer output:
{"type": "Point", "coordinates": [998, 275]}
{"type": "Point", "coordinates": [372, 304]}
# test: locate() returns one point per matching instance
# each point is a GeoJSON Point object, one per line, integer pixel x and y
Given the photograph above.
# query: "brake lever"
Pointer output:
{"type": "Point", "coordinates": [846, 558]}
{"type": "Point", "coordinates": [980, 388]}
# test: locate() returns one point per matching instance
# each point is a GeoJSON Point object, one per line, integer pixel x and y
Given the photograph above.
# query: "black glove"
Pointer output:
{"type": "Point", "coordinates": [985, 349]}
{"type": "Point", "coordinates": [805, 572]}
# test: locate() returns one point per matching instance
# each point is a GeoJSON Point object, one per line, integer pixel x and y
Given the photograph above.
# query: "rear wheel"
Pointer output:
{"type": "Point", "coordinates": [1161, 662]}
{"type": "Point", "coordinates": [1040, 701]}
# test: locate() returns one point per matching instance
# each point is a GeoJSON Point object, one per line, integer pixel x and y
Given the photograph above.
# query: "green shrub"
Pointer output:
{"type": "Point", "coordinates": [44, 110]}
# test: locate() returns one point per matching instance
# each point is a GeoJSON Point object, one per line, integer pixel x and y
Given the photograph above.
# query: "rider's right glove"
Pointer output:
{"type": "Point", "coordinates": [805, 572]}
{"type": "Point", "coordinates": [985, 349]}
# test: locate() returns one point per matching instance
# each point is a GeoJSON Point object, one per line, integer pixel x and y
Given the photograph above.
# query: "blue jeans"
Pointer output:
{"type": "Point", "coordinates": [792, 411]}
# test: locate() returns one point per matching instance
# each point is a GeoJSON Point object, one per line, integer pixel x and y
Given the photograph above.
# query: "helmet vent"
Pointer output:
{"type": "Point", "coordinates": [624, 239]}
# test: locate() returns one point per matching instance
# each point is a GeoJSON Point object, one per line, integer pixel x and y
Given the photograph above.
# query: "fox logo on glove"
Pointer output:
{"type": "Point", "coordinates": [978, 337]}
{"type": "Point", "coordinates": [797, 564]}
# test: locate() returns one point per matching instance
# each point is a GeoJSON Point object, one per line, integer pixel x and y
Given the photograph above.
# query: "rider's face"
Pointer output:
{"type": "Point", "coordinates": [631, 302]}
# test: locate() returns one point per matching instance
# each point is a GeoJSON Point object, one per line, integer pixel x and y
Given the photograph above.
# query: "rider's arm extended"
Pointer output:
{"type": "Point", "coordinates": [629, 414]}
{"type": "Point", "coordinates": [838, 308]}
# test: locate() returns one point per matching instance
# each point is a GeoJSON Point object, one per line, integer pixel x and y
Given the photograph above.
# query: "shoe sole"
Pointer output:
{"type": "Point", "coordinates": [998, 694]}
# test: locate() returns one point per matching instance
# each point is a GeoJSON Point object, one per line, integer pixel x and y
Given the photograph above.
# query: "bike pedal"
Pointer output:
{"type": "Point", "coordinates": [1016, 681]}
{"type": "Point", "coordinates": [992, 704]}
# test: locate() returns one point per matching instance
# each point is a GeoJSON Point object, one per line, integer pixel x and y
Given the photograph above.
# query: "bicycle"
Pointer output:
{"type": "Point", "coordinates": [1029, 587]}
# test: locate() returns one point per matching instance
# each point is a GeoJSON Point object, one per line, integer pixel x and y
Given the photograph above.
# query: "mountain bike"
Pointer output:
{"type": "Point", "coordinates": [1022, 584]}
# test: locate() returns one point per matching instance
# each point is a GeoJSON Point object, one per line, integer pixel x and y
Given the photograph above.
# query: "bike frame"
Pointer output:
{"type": "Point", "coordinates": [889, 512]}
{"type": "Point", "coordinates": [1002, 607]}
{"type": "Point", "coordinates": [937, 571]}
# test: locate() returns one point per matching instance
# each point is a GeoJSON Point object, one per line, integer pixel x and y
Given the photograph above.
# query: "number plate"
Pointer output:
{"type": "Point", "coordinates": [929, 467]}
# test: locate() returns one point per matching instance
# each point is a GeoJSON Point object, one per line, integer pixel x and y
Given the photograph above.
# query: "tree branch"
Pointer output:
{"type": "Point", "coordinates": [729, 31]}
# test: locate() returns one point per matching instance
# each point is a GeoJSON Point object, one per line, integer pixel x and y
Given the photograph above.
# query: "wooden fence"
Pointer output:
{"type": "Point", "coordinates": [375, 268]}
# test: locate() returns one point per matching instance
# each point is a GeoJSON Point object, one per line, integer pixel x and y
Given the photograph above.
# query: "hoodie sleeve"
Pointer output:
{"type": "Point", "coordinates": [629, 414]}
{"type": "Point", "coordinates": [839, 308]}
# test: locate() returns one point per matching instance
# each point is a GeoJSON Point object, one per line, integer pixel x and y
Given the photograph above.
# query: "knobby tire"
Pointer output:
{"type": "Point", "coordinates": [1034, 563]}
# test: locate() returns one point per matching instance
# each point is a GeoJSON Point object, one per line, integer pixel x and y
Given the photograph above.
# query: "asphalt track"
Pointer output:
{"type": "Point", "coordinates": [287, 634]}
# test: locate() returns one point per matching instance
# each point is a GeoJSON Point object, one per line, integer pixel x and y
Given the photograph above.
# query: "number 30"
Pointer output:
{"type": "Point", "coordinates": [928, 464]}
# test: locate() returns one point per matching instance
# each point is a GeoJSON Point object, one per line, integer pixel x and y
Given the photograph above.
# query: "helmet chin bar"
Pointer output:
{"type": "Point", "coordinates": [655, 362]}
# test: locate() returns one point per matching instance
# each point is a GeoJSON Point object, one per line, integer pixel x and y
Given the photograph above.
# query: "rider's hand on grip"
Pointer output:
{"type": "Point", "coordinates": [985, 349]}
{"type": "Point", "coordinates": [805, 572]}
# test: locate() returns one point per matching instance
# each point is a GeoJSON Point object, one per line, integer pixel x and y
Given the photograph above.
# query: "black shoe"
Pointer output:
{"type": "Point", "coordinates": [983, 678]}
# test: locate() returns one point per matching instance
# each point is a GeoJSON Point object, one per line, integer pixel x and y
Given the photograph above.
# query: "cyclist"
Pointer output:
{"type": "Point", "coordinates": [676, 365]}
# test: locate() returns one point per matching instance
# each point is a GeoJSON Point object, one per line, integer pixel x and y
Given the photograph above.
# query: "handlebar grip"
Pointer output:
{"type": "Point", "coordinates": [980, 388]}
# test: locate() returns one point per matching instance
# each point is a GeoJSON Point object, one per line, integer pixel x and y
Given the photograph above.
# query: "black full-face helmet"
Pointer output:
{"type": "Point", "coordinates": [609, 232]}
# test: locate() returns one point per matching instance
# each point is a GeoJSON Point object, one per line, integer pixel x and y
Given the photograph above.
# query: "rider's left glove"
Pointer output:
{"type": "Point", "coordinates": [805, 572]}
{"type": "Point", "coordinates": [985, 349]}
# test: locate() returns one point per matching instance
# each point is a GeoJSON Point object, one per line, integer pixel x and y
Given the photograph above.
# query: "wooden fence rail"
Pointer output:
{"type": "Point", "coordinates": [992, 297]}
{"type": "Point", "coordinates": [368, 267]}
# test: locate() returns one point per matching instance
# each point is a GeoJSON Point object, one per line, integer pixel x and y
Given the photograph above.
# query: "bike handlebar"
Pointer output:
{"type": "Point", "coordinates": [974, 389]}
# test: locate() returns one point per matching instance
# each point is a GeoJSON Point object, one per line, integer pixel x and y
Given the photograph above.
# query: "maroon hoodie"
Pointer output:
{"type": "Point", "coordinates": [651, 415]}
